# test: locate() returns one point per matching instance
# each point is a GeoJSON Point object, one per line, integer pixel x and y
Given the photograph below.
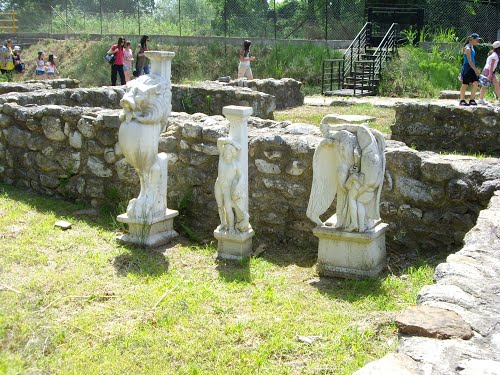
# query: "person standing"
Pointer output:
{"type": "Point", "coordinates": [18, 64]}
{"type": "Point", "coordinates": [128, 57]}
{"type": "Point", "coordinates": [244, 70]}
{"type": "Point", "coordinates": [142, 63]}
{"type": "Point", "coordinates": [469, 73]}
{"type": "Point", "coordinates": [51, 67]}
{"type": "Point", "coordinates": [40, 66]}
{"type": "Point", "coordinates": [117, 67]}
{"type": "Point", "coordinates": [488, 77]}
{"type": "Point", "coordinates": [7, 60]}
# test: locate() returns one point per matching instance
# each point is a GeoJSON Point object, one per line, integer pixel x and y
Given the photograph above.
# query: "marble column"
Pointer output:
{"type": "Point", "coordinates": [237, 243]}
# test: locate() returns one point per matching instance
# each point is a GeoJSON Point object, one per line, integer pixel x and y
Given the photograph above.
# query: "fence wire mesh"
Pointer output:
{"type": "Point", "coordinates": [291, 19]}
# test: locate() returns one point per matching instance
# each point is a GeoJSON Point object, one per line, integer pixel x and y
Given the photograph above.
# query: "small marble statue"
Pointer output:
{"type": "Point", "coordinates": [146, 107]}
{"type": "Point", "coordinates": [230, 191]}
{"type": "Point", "coordinates": [348, 164]}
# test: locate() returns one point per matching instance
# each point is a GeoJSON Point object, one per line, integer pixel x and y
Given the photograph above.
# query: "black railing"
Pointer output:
{"type": "Point", "coordinates": [357, 49]}
{"type": "Point", "coordinates": [332, 73]}
{"type": "Point", "coordinates": [386, 49]}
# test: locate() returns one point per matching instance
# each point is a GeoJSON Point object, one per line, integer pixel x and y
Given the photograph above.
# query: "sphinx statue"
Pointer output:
{"type": "Point", "coordinates": [348, 165]}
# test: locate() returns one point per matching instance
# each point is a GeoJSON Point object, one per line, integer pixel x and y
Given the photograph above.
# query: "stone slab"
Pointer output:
{"type": "Point", "coordinates": [427, 321]}
{"type": "Point", "coordinates": [351, 255]}
{"type": "Point", "coordinates": [391, 364]}
{"type": "Point", "coordinates": [234, 246]}
{"type": "Point", "coordinates": [64, 225]}
{"type": "Point", "coordinates": [452, 94]}
{"type": "Point", "coordinates": [317, 101]}
{"type": "Point", "coordinates": [156, 233]}
{"type": "Point", "coordinates": [346, 119]}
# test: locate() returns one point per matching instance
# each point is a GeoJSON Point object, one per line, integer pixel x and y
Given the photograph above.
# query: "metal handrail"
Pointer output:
{"type": "Point", "coordinates": [352, 54]}
{"type": "Point", "coordinates": [386, 47]}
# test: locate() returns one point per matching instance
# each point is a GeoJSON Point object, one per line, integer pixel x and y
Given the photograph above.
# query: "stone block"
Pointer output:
{"type": "Point", "coordinates": [350, 255]}
{"type": "Point", "coordinates": [234, 246]}
{"type": "Point", "coordinates": [347, 119]}
{"type": "Point", "coordinates": [160, 231]}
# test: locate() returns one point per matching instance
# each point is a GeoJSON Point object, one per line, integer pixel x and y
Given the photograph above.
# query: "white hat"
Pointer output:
{"type": "Point", "coordinates": [17, 48]}
{"type": "Point", "coordinates": [496, 44]}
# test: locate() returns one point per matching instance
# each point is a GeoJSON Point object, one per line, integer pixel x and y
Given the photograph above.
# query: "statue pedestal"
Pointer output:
{"type": "Point", "coordinates": [158, 232]}
{"type": "Point", "coordinates": [234, 246]}
{"type": "Point", "coordinates": [351, 255]}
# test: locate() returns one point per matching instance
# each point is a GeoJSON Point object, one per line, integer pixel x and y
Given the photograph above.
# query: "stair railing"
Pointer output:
{"type": "Point", "coordinates": [357, 48]}
{"type": "Point", "coordinates": [386, 49]}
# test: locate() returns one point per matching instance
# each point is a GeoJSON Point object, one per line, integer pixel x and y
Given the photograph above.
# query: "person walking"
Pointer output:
{"type": "Point", "coordinates": [488, 76]}
{"type": "Point", "coordinates": [244, 70]}
{"type": "Point", "coordinates": [128, 57]}
{"type": "Point", "coordinates": [40, 66]}
{"type": "Point", "coordinates": [7, 60]}
{"type": "Point", "coordinates": [117, 67]}
{"type": "Point", "coordinates": [469, 73]}
{"type": "Point", "coordinates": [142, 62]}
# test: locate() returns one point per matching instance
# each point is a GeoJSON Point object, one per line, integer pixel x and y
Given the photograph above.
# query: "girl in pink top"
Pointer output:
{"type": "Point", "coordinates": [117, 67]}
{"type": "Point", "coordinates": [128, 57]}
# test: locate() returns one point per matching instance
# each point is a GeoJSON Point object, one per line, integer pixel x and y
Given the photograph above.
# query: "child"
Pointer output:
{"type": "Point", "coordinates": [40, 65]}
{"type": "Point", "coordinates": [244, 69]}
{"type": "Point", "coordinates": [128, 57]}
{"type": "Point", "coordinates": [51, 67]}
{"type": "Point", "coordinates": [469, 73]}
{"type": "Point", "coordinates": [18, 64]}
{"type": "Point", "coordinates": [488, 77]}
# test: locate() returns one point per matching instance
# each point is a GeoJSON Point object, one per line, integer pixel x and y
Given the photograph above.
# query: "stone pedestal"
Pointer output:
{"type": "Point", "coordinates": [158, 232]}
{"type": "Point", "coordinates": [351, 255]}
{"type": "Point", "coordinates": [234, 246]}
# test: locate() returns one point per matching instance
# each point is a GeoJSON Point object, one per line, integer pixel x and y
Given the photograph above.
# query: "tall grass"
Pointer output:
{"type": "Point", "coordinates": [83, 60]}
{"type": "Point", "coordinates": [416, 73]}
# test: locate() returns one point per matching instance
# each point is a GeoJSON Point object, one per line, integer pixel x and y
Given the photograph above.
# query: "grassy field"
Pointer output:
{"type": "Point", "coordinates": [77, 302]}
{"type": "Point", "coordinates": [384, 117]}
{"type": "Point", "coordinates": [83, 60]}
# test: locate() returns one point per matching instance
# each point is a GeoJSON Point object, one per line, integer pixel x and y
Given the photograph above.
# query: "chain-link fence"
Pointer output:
{"type": "Point", "coordinates": [292, 19]}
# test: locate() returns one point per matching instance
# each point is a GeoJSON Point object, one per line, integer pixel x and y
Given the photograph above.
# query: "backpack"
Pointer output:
{"type": "Point", "coordinates": [110, 58]}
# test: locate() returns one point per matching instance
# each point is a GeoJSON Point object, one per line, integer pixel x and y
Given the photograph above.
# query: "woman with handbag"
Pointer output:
{"type": "Point", "coordinates": [142, 63]}
{"type": "Point", "coordinates": [117, 67]}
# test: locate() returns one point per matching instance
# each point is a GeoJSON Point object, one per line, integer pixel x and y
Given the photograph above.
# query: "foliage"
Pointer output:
{"type": "Point", "coordinates": [444, 35]}
{"type": "Point", "coordinates": [416, 73]}
{"type": "Point", "coordinates": [76, 302]}
{"type": "Point", "coordinates": [191, 63]}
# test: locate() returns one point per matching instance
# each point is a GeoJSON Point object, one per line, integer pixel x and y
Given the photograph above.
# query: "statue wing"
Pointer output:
{"type": "Point", "coordinates": [324, 185]}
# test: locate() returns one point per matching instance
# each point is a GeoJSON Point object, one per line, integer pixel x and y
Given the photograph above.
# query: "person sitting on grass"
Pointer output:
{"type": "Point", "coordinates": [488, 77]}
{"type": "Point", "coordinates": [469, 75]}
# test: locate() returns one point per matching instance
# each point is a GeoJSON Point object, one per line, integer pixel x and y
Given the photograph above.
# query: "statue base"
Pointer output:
{"type": "Point", "coordinates": [351, 255]}
{"type": "Point", "coordinates": [234, 246]}
{"type": "Point", "coordinates": [153, 234]}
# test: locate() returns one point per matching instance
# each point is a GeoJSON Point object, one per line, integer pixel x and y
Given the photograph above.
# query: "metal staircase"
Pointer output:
{"type": "Point", "coordinates": [359, 71]}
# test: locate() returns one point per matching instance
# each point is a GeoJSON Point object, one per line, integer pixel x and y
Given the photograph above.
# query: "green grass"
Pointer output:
{"type": "Point", "coordinates": [77, 302]}
{"type": "Point", "coordinates": [384, 117]}
{"type": "Point", "coordinates": [83, 60]}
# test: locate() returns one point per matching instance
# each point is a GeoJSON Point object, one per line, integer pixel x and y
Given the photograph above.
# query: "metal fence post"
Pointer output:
{"type": "Point", "coordinates": [100, 13]}
{"type": "Point", "coordinates": [180, 21]}
{"type": "Point", "coordinates": [326, 20]}
{"type": "Point", "coordinates": [225, 26]}
{"type": "Point", "coordinates": [139, 17]}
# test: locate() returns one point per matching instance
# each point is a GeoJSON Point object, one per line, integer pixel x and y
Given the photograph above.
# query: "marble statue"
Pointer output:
{"type": "Point", "coordinates": [144, 117]}
{"type": "Point", "coordinates": [234, 234]}
{"type": "Point", "coordinates": [230, 191]}
{"type": "Point", "coordinates": [146, 107]}
{"type": "Point", "coordinates": [349, 165]}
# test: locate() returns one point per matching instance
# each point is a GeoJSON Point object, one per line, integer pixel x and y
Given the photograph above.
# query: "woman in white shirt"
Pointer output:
{"type": "Point", "coordinates": [244, 69]}
{"type": "Point", "coordinates": [488, 77]}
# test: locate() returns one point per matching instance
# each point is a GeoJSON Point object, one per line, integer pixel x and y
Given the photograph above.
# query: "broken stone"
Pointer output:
{"type": "Point", "coordinates": [433, 322]}
{"type": "Point", "coordinates": [64, 225]}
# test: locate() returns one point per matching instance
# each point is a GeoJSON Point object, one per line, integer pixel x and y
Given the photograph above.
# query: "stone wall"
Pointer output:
{"type": "Point", "coordinates": [466, 289]}
{"type": "Point", "coordinates": [430, 201]}
{"type": "Point", "coordinates": [209, 97]}
{"type": "Point", "coordinates": [29, 86]}
{"type": "Point", "coordinates": [287, 91]}
{"type": "Point", "coordinates": [448, 128]}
